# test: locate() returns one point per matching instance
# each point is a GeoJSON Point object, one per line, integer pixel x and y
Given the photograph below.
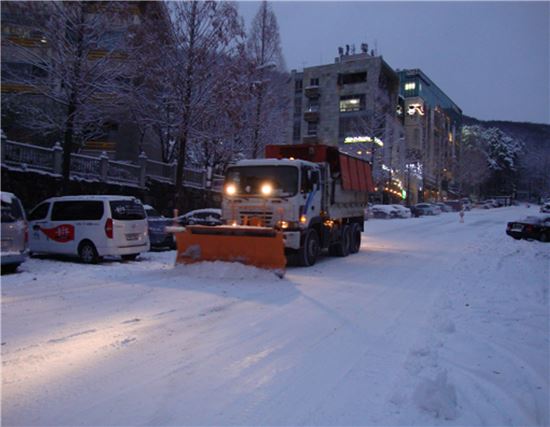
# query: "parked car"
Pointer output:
{"type": "Point", "coordinates": [89, 227]}
{"type": "Point", "coordinates": [402, 211]}
{"type": "Point", "coordinates": [384, 211]}
{"type": "Point", "coordinates": [485, 204]}
{"type": "Point", "coordinates": [436, 208]}
{"type": "Point", "coordinates": [545, 208]}
{"type": "Point", "coordinates": [466, 203]}
{"type": "Point", "coordinates": [492, 202]}
{"type": "Point", "coordinates": [455, 205]}
{"type": "Point", "coordinates": [14, 233]}
{"type": "Point", "coordinates": [209, 216]}
{"type": "Point", "coordinates": [531, 227]}
{"type": "Point", "coordinates": [444, 207]}
{"type": "Point", "coordinates": [422, 209]}
{"type": "Point", "coordinates": [156, 224]}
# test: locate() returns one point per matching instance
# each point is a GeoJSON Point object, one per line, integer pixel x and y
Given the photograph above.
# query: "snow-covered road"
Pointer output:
{"type": "Point", "coordinates": [434, 322]}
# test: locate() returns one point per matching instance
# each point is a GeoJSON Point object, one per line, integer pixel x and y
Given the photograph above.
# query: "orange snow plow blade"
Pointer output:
{"type": "Point", "coordinates": [258, 246]}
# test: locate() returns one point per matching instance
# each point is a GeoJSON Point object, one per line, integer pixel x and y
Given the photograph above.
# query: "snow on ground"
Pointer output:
{"type": "Point", "coordinates": [434, 322]}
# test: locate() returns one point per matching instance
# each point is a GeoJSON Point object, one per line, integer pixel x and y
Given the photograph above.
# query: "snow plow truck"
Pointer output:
{"type": "Point", "coordinates": [298, 201]}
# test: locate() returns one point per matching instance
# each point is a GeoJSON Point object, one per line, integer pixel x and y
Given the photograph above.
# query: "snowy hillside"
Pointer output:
{"type": "Point", "coordinates": [434, 322]}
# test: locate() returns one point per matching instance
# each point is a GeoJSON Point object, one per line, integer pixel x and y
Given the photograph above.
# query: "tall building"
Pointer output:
{"type": "Point", "coordinates": [432, 123]}
{"type": "Point", "coordinates": [351, 104]}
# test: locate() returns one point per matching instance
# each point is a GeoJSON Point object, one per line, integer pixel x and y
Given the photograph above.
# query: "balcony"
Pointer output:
{"type": "Point", "coordinates": [312, 91]}
{"type": "Point", "coordinates": [311, 114]}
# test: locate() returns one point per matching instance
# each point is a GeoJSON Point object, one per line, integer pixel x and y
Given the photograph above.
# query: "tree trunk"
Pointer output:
{"type": "Point", "coordinates": [67, 149]}
{"type": "Point", "coordinates": [68, 139]}
{"type": "Point", "coordinates": [180, 189]}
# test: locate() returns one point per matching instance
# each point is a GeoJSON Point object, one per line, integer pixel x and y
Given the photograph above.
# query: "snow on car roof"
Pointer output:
{"type": "Point", "coordinates": [92, 197]}
{"type": "Point", "coordinates": [206, 210]}
{"type": "Point", "coordinates": [7, 197]}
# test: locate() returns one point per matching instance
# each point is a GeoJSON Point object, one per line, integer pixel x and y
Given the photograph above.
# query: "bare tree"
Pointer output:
{"type": "Point", "coordinates": [201, 36]}
{"type": "Point", "coordinates": [264, 48]}
{"type": "Point", "coordinates": [73, 68]}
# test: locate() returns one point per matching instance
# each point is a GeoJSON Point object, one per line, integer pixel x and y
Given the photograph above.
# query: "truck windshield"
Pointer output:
{"type": "Point", "coordinates": [250, 179]}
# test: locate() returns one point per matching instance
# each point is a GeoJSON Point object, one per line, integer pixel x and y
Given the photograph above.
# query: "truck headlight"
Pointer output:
{"type": "Point", "coordinates": [267, 189]}
{"type": "Point", "coordinates": [230, 189]}
{"type": "Point", "coordinates": [286, 225]}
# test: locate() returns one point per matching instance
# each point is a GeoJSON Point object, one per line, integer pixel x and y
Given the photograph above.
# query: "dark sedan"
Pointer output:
{"type": "Point", "coordinates": [158, 236]}
{"type": "Point", "coordinates": [209, 216]}
{"type": "Point", "coordinates": [532, 227]}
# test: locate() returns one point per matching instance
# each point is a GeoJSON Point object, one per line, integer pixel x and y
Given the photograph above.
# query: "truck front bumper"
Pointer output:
{"type": "Point", "coordinates": [292, 239]}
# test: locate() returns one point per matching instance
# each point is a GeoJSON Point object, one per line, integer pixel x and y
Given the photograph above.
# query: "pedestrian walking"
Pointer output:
{"type": "Point", "coordinates": [461, 214]}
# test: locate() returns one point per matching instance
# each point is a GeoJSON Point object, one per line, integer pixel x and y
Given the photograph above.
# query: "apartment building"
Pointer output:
{"type": "Point", "coordinates": [28, 68]}
{"type": "Point", "coordinates": [351, 104]}
{"type": "Point", "coordinates": [432, 124]}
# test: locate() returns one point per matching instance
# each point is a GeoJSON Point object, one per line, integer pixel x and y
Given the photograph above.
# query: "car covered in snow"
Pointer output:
{"type": "Point", "coordinates": [14, 233]}
{"type": "Point", "coordinates": [402, 211]}
{"type": "Point", "coordinates": [545, 208]}
{"type": "Point", "coordinates": [385, 211]}
{"type": "Point", "coordinates": [466, 203]}
{"type": "Point", "coordinates": [422, 209]}
{"type": "Point", "coordinates": [455, 205]}
{"type": "Point", "coordinates": [208, 216]}
{"type": "Point", "coordinates": [157, 223]}
{"type": "Point", "coordinates": [530, 228]}
{"type": "Point", "coordinates": [444, 207]}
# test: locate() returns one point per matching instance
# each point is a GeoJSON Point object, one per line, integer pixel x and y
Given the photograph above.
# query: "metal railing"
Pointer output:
{"type": "Point", "coordinates": [32, 157]}
{"type": "Point", "coordinates": [85, 166]}
{"type": "Point", "coordinates": [160, 170]}
{"type": "Point", "coordinates": [27, 156]}
{"type": "Point", "coordinates": [123, 172]}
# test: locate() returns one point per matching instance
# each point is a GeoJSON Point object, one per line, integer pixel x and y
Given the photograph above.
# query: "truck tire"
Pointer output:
{"type": "Point", "coordinates": [355, 244]}
{"type": "Point", "coordinates": [342, 248]}
{"type": "Point", "coordinates": [309, 251]}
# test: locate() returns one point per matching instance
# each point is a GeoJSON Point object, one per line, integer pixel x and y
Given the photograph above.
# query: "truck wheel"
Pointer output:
{"type": "Point", "coordinates": [342, 248]}
{"type": "Point", "coordinates": [355, 244]}
{"type": "Point", "coordinates": [308, 252]}
{"type": "Point", "coordinates": [88, 253]}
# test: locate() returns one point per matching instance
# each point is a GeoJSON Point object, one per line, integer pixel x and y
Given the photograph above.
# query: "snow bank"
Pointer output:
{"type": "Point", "coordinates": [226, 270]}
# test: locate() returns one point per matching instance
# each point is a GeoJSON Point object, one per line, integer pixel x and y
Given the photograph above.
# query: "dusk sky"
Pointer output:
{"type": "Point", "coordinates": [491, 58]}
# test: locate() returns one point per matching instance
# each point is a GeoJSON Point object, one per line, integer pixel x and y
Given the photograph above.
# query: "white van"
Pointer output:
{"type": "Point", "coordinates": [89, 226]}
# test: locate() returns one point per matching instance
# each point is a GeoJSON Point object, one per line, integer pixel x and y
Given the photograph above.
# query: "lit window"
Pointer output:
{"type": "Point", "coordinates": [410, 86]}
{"type": "Point", "coordinates": [352, 103]}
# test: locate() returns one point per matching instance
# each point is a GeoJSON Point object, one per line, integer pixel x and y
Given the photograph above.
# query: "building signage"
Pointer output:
{"type": "Point", "coordinates": [363, 139]}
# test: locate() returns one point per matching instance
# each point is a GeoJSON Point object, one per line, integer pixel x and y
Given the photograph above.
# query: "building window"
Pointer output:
{"type": "Point", "coordinates": [352, 103]}
{"type": "Point", "coordinates": [312, 128]}
{"type": "Point", "coordinates": [298, 85]}
{"type": "Point", "coordinates": [296, 130]}
{"type": "Point", "coordinates": [297, 105]}
{"type": "Point", "coordinates": [352, 78]}
{"type": "Point", "coordinates": [314, 82]}
{"type": "Point", "coordinates": [313, 105]}
{"type": "Point", "coordinates": [410, 86]}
